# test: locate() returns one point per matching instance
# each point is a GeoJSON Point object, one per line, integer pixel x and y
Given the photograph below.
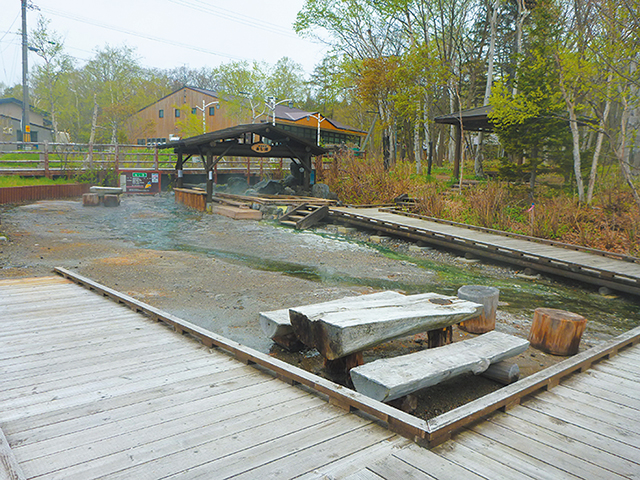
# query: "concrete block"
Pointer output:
{"type": "Point", "coordinates": [90, 199]}
{"type": "Point", "coordinates": [111, 200]}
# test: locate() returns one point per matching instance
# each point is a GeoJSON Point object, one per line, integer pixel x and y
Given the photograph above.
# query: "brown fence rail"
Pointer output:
{"type": "Point", "coordinates": [69, 159]}
{"type": "Point", "coordinates": [41, 192]}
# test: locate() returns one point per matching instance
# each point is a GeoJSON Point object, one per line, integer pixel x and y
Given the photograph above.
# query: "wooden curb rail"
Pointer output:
{"type": "Point", "coordinates": [620, 281]}
{"type": "Point", "coordinates": [428, 433]}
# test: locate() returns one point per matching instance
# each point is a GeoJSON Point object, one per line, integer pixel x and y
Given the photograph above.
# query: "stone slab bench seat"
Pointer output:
{"type": "Point", "coordinates": [102, 191]}
{"type": "Point", "coordinates": [391, 378]}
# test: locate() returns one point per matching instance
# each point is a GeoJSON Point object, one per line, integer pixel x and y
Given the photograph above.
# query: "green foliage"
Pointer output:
{"type": "Point", "coordinates": [15, 181]}
{"type": "Point", "coordinates": [98, 176]}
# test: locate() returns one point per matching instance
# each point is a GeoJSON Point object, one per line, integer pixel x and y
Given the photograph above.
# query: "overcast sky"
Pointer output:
{"type": "Point", "coordinates": [165, 33]}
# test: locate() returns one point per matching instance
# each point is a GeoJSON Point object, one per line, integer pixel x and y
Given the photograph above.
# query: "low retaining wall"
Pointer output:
{"type": "Point", "coordinates": [191, 198]}
{"type": "Point", "coordinates": [41, 192]}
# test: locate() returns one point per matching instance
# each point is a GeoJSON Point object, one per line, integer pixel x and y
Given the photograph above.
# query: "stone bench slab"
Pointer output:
{"type": "Point", "coordinates": [391, 378]}
{"type": "Point", "coordinates": [338, 332]}
{"type": "Point", "coordinates": [276, 323]}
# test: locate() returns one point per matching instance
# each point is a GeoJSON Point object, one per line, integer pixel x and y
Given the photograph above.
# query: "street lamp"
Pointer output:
{"type": "Point", "coordinates": [204, 125]}
{"type": "Point", "coordinates": [320, 120]}
{"type": "Point", "coordinates": [272, 104]}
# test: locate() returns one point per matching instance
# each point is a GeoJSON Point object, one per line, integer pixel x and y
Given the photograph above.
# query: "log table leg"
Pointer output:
{"type": "Point", "coordinates": [344, 364]}
{"type": "Point", "coordinates": [556, 331]}
{"type": "Point", "coordinates": [487, 296]}
{"type": "Point", "coordinates": [439, 337]}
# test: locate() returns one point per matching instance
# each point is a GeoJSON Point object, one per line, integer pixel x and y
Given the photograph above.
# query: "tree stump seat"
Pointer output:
{"type": "Point", "coordinates": [556, 331]}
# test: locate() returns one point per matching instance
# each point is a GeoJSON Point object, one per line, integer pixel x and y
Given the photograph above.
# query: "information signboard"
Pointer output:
{"type": "Point", "coordinates": [133, 181]}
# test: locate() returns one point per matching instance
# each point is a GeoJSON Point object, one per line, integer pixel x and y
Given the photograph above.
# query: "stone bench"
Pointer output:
{"type": "Point", "coordinates": [391, 378]}
{"type": "Point", "coordinates": [276, 324]}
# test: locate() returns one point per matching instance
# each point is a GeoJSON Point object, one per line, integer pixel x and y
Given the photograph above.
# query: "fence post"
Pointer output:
{"type": "Point", "coordinates": [156, 162]}
{"type": "Point", "coordinates": [47, 174]}
{"type": "Point", "coordinates": [249, 171]}
{"type": "Point", "coordinates": [116, 164]}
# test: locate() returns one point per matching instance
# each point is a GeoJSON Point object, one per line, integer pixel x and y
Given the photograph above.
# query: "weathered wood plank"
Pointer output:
{"type": "Point", "coordinates": [433, 464]}
{"type": "Point", "coordinates": [391, 378]}
{"type": "Point", "coordinates": [120, 403]}
{"type": "Point", "coordinates": [598, 425]}
{"type": "Point", "coordinates": [579, 434]}
{"type": "Point", "coordinates": [500, 452]}
{"type": "Point", "coordinates": [351, 464]}
{"type": "Point", "coordinates": [166, 457]}
{"type": "Point", "coordinates": [596, 390]}
{"type": "Point", "coordinates": [93, 445]}
{"type": "Point", "coordinates": [574, 397]}
{"type": "Point", "coordinates": [477, 462]}
{"type": "Point", "coordinates": [9, 467]}
{"type": "Point", "coordinates": [605, 463]}
{"type": "Point", "coordinates": [336, 334]}
{"type": "Point", "coordinates": [392, 468]}
{"type": "Point", "coordinates": [318, 446]}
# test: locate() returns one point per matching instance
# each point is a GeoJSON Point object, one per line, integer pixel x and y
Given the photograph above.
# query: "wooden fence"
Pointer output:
{"type": "Point", "coordinates": [41, 192]}
{"type": "Point", "coordinates": [68, 160]}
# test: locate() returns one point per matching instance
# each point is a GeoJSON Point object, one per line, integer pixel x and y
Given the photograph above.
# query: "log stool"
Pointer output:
{"type": "Point", "coordinates": [90, 199]}
{"type": "Point", "coordinates": [487, 296]}
{"type": "Point", "coordinates": [556, 331]}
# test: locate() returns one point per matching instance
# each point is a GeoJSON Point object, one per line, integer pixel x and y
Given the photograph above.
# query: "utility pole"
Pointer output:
{"type": "Point", "coordinates": [26, 126]}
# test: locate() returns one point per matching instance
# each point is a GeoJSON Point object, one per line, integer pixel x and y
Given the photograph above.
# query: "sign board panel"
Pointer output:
{"type": "Point", "coordinates": [140, 181]}
{"type": "Point", "coordinates": [261, 148]}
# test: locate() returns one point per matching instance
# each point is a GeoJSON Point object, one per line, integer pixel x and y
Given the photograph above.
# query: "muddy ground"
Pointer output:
{"type": "Point", "coordinates": [219, 273]}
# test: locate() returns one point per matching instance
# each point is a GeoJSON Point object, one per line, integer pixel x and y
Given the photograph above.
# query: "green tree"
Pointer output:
{"type": "Point", "coordinates": [50, 80]}
{"type": "Point", "coordinates": [531, 121]}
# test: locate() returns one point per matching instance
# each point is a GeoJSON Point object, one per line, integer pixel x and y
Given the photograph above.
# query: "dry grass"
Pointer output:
{"type": "Point", "coordinates": [612, 223]}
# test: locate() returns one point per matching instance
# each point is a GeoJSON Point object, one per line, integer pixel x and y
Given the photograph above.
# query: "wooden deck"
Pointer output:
{"type": "Point", "coordinates": [92, 389]}
{"type": "Point", "coordinates": [604, 269]}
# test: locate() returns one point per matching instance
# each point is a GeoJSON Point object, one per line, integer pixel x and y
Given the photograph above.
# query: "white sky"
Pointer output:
{"type": "Point", "coordinates": [165, 33]}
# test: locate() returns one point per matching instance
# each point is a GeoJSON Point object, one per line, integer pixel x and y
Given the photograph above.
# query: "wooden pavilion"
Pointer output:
{"type": "Point", "coordinates": [472, 120]}
{"type": "Point", "coordinates": [251, 140]}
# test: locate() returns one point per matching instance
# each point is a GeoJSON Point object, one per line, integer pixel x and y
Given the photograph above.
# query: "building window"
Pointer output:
{"type": "Point", "coordinates": [177, 113]}
{"type": "Point", "coordinates": [160, 113]}
{"type": "Point", "coordinates": [141, 141]}
{"type": "Point", "coordinates": [212, 111]}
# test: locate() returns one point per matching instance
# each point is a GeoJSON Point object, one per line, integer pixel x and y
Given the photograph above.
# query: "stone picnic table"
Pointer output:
{"type": "Point", "coordinates": [339, 329]}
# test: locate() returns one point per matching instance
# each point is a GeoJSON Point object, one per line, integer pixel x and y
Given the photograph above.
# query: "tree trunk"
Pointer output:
{"type": "Point", "coordinates": [556, 331]}
{"type": "Point", "coordinates": [599, 139]}
{"type": "Point", "coordinates": [94, 125]}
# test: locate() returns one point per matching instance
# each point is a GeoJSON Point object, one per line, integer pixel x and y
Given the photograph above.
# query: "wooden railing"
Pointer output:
{"type": "Point", "coordinates": [68, 159]}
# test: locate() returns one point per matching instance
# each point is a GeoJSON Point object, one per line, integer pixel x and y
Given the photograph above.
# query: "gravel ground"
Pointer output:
{"type": "Point", "coordinates": [219, 273]}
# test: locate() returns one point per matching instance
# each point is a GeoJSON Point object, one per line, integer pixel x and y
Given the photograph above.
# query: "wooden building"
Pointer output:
{"type": "Point", "coordinates": [309, 125]}
{"type": "Point", "coordinates": [11, 120]}
{"type": "Point", "coordinates": [163, 121]}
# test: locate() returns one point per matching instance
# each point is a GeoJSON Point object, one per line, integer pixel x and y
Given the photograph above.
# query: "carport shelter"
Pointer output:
{"type": "Point", "coordinates": [252, 140]}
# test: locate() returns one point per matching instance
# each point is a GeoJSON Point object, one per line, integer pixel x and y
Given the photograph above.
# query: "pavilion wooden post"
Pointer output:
{"type": "Point", "coordinates": [306, 163]}
{"type": "Point", "coordinates": [179, 170]}
{"type": "Point", "coordinates": [209, 178]}
{"type": "Point", "coordinates": [458, 152]}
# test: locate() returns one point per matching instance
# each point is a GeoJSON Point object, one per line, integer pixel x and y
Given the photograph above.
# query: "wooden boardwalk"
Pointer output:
{"type": "Point", "coordinates": [618, 272]}
{"type": "Point", "coordinates": [91, 389]}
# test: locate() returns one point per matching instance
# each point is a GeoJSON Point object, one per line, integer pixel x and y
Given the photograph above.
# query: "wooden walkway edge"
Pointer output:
{"type": "Point", "coordinates": [426, 433]}
{"type": "Point", "coordinates": [617, 272]}
{"type": "Point", "coordinates": [91, 389]}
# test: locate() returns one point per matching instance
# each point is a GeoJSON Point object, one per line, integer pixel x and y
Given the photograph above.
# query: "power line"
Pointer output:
{"type": "Point", "coordinates": [106, 26]}
{"type": "Point", "coordinates": [204, 7]}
